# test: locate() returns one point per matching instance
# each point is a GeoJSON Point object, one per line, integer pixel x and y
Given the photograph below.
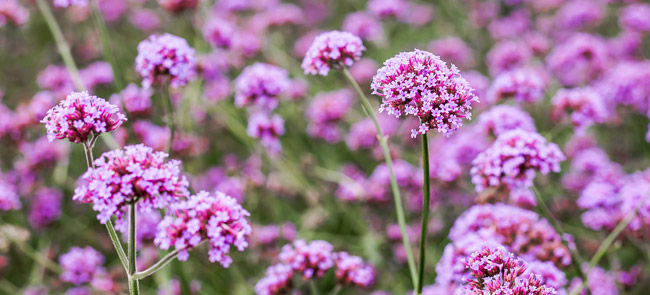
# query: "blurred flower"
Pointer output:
{"type": "Point", "coordinates": [363, 134]}
{"type": "Point", "coordinates": [9, 198]}
{"type": "Point", "coordinates": [45, 208]}
{"type": "Point", "coordinates": [136, 101]}
{"type": "Point", "coordinates": [585, 105]}
{"type": "Point", "coordinates": [157, 137]}
{"type": "Point", "coordinates": [162, 57]}
{"type": "Point", "coordinates": [524, 85]}
{"type": "Point", "coordinates": [363, 70]}
{"type": "Point", "coordinates": [134, 174]}
{"type": "Point", "coordinates": [177, 6]}
{"type": "Point", "coordinates": [80, 264]}
{"type": "Point", "coordinates": [11, 10]}
{"type": "Point", "coordinates": [635, 17]}
{"type": "Point", "coordinates": [332, 49]}
{"type": "Point", "coordinates": [66, 3]}
{"type": "Point", "coordinates": [57, 79]}
{"type": "Point", "coordinates": [267, 128]}
{"type": "Point", "coordinates": [219, 32]}
{"type": "Point", "coordinates": [579, 60]}
{"type": "Point", "coordinates": [388, 8]}
{"type": "Point", "coordinates": [512, 26]}
{"type": "Point", "coordinates": [146, 224]}
{"type": "Point", "coordinates": [363, 25]}
{"type": "Point", "coordinates": [628, 83]}
{"type": "Point", "coordinates": [579, 14]}
{"type": "Point", "coordinates": [81, 116]}
{"type": "Point", "coordinates": [507, 55]}
{"type": "Point", "coordinates": [502, 118]}
{"type": "Point", "coordinates": [325, 111]}
{"type": "Point", "coordinates": [217, 218]}
{"type": "Point", "coordinates": [513, 159]}
{"type": "Point", "coordinates": [418, 83]}
{"type": "Point", "coordinates": [97, 73]}
{"type": "Point", "coordinates": [260, 85]}
{"type": "Point", "coordinates": [453, 50]}
{"type": "Point", "coordinates": [144, 19]}
{"type": "Point", "coordinates": [353, 270]}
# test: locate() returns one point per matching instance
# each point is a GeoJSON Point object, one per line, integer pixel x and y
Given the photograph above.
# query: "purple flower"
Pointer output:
{"type": "Point", "coordinates": [277, 280]}
{"type": "Point", "coordinates": [453, 50]}
{"type": "Point", "coordinates": [144, 19]}
{"type": "Point", "coordinates": [579, 60]}
{"type": "Point", "coordinates": [502, 118]}
{"type": "Point", "coordinates": [260, 85]}
{"type": "Point", "coordinates": [363, 70]}
{"type": "Point", "coordinates": [147, 225]}
{"type": "Point", "coordinates": [628, 83]}
{"type": "Point", "coordinates": [507, 55]}
{"type": "Point", "coordinates": [12, 10]}
{"type": "Point", "coordinates": [81, 116]}
{"type": "Point", "coordinates": [454, 155]}
{"type": "Point", "coordinates": [165, 57]}
{"type": "Point", "coordinates": [513, 159]}
{"type": "Point", "coordinates": [311, 259]}
{"type": "Point", "coordinates": [363, 134]}
{"type": "Point", "coordinates": [177, 6]}
{"type": "Point", "coordinates": [353, 270]}
{"type": "Point", "coordinates": [80, 264]}
{"type": "Point", "coordinates": [388, 8]}
{"type": "Point", "coordinates": [217, 218]}
{"type": "Point", "coordinates": [511, 26]}
{"type": "Point", "coordinates": [220, 32]}
{"type": "Point", "coordinates": [97, 73]}
{"type": "Point", "coordinates": [418, 83]}
{"type": "Point", "coordinates": [585, 105]}
{"type": "Point", "coordinates": [267, 128]}
{"type": "Point", "coordinates": [9, 198]}
{"type": "Point", "coordinates": [46, 207]}
{"type": "Point", "coordinates": [635, 17]}
{"type": "Point", "coordinates": [579, 14]}
{"type": "Point", "coordinates": [134, 174]}
{"type": "Point", "coordinates": [66, 3]}
{"type": "Point", "coordinates": [364, 25]}
{"type": "Point", "coordinates": [524, 85]}
{"type": "Point", "coordinates": [137, 101]}
{"type": "Point", "coordinates": [327, 109]}
{"type": "Point", "coordinates": [332, 49]}
{"type": "Point", "coordinates": [57, 79]}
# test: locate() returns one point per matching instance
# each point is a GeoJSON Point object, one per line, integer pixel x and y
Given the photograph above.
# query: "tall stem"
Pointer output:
{"type": "Point", "coordinates": [61, 44]}
{"type": "Point", "coordinates": [169, 114]}
{"type": "Point", "coordinates": [106, 45]}
{"type": "Point", "coordinates": [88, 149]}
{"type": "Point", "coordinates": [133, 267]}
{"type": "Point", "coordinates": [397, 199]}
{"type": "Point", "coordinates": [426, 200]}
{"type": "Point", "coordinates": [161, 263]}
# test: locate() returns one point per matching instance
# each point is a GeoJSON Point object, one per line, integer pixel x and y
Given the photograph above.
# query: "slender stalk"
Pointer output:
{"type": "Point", "coordinates": [134, 287]}
{"type": "Point", "coordinates": [609, 240]}
{"type": "Point", "coordinates": [61, 44]}
{"type": "Point", "coordinates": [169, 114]}
{"type": "Point", "coordinates": [383, 141]}
{"type": "Point", "coordinates": [426, 200]}
{"type": "Point", "coordinates": [576, 259]}
{"type": "Point", "coordinates": [160, 264]}
{"type": "Point", "coordinates": [88, 149]}
{"type": "Point", "coordinates": [336, 290]}
{"type": "Point", "coordinates": [106, 46]}
{"type": "Point", "coordinates": [313, 288]}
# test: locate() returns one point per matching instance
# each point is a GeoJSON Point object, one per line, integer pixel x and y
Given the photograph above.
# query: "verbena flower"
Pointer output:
{"type": "Point", "coordinates": [502, 118]}
{"type": "Point", "coordinates": [325, 111]}
{"type": "Point", "coordinates": [332, 49]}
{"type": "Point", "coordinates": [579, 60]}
{"type": "Point", "coordinates": [388, 8]}
{"type": "Point", "coordinates": [260, 85]}
{"type": "Point", "coordinates": [137, 101]}
{"type": "Point", "coordinates": [46, 207]}
{"type": "Point", "coordinates": [267, 128]}
{"type": "Point", "coordinates": [81, 116]}
{"type": "Point", "coordinates": [453, 50]}
{"type": "Point", "coordinates": [135, 174]}
{"type": "Point", "coordinates": [311, 259]}
{"type": "Point", "coordinates": [11, 10]}
{"type": "Point", "coordinates": [513, 159]}
{"type": "Point", "coordinates": [506, 56]}
{"type": "Point", "coordinates": [418, 83]}
{"type": "Point", "coordinates": [165, 57]}
{"type": "Point", "coordinates": [177, 6]}
{"type": "Point", "coordinates": [217, 218]}
{"type": "Point", "coordinates": [220, 32]}
{"type": "Point", "coordinates": [79, 265]}
{"type": "Point", "coordinates": [635, 17]}
{"type": "Point", "coordinates": [524, 85]}
{"type": "Point", "coordinates": [353, 270]}
{"type": "Point", "coordinates": [9, 198]}
{"type": "Point", "coordinates": [364, 25]}
{"type": "Point", "coordinates": [585, 107]}
{"type": "Point", "coordinates": [66, 3]}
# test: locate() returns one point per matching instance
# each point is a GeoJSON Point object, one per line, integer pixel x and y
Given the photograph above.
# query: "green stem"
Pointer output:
{"type": "Point", "coordinates": [383, 141]}
{"type": "Point", "coordinates": [106, 46]}
{"type": "Point", "coordinates": [605, 246]}
{"type": "Point", "coordinates": [133, 267]}
{"type": "Point", "coordinates": [160, 264]}
{"type": "Point", "coordinates": [313, 288]}
{"type": "Point", "coordinates": [336, 290]}
{"type": "Point", "coordinates": [169, 114]}
{"type": "Point", "coordinates": [61, 44]}
{"type": "Point", "coordinates": [576, 259]}
{"type": "Point", "coordinates": [426, 200]}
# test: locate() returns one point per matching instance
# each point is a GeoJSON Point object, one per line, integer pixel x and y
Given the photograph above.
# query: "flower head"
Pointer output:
{"type": "Point", "coordinates": [66, 3]}
{"type": "Point", "coordinates": [332, 49]}
{"type": "Point", "coordinates": [513, 159]}
{"type": "Point", "coordinates": [81, 115]}
{"type": "Point", "coordinates": [165, 56]}
{"type": "Point", "coordinates": [353, 270]}
{"type": "Point", "coordinates": [80, 264]}
{"type": "Point", "coordinates": [13, 11]}
{"type": "Point", "coordinates": [267, 128]}
{"type": "Point", "coordinates": [134, 174]}
{"type": "Point", "coordinates": [586, 107]}
{"type": "Point", "coordinates": [260, 85]}
{"type": "Point", "coordinates": [137, 101]}
{"type": "Point", "coordinates": [418, 83]}
{"type": "Point", "coordinates": [217, 218]}
{"type": "Point", "coordinates": [364, 25]}
{"type": "Point", "coordinates": [177, 6]}
{"type": "Point", "coordinates": [502, 118]}
{"type": "Point", "coordinates": [579, 60]}
{"type": "Point", "coordinates": [325, 111]}
{"type": "Point", "coordinates": [524, 85]}
{"type": "Point", "coordinates": [311, 259]}
{"type": "Point", "coordinates": [46, 207]}
{"type": "Point", "coordinates": [9, 198]}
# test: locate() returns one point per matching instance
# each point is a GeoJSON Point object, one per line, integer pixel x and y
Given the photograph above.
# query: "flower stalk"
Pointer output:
{"type": "Point", "coordinates": [397, 199]}
{"type": "Point", "coordinates": [169, 114]}
{"type": "Point", "coordinates": [134, 286]}
{"type": "Point", "coordinates": [426, 200]}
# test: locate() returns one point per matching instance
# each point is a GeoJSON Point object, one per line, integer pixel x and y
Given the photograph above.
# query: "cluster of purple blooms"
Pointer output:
{"type": "Point", "coordinates": [524, 85]}
{"type": "Point", "coordinates": [216, 218]}
{"type": "Point", "coordinates": [418, 83]}
{"type": "Point", "coordinates": [82, 116]}
{"type": "Point", "coordinates": [9, 198]}
{"type": "Point", "coordinates": [502, 118]}
{"type": "Point", "coordinates": [332, 50]}
{"type": "Point", "coordinates": [260, 85]}
{"type": "Point", "coordinates": [11, 10]}
{"type": "Point", "coordinates": [136, 101]}
{"type": "Point", "coordinates": [325, 111]}
{"type": "Point", "coordinates": [135, 174]}
{"type": "Point", "coordinates": [165, 59]}
{"type": "Point", "coordinates": [46, 207]}
{"type": "Point", "coordinates": [311, 260]}
{"type": "Point", "coordinates": [79, 265]}
{"type": "Point", "coordinates": [585, 105]}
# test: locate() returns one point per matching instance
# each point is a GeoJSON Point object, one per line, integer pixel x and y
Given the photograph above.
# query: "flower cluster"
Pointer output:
{"type": "Point", "coordinates": [497, 271]}
{"type": "Point", "coordinates": [513, 159]}
{"type": "Point", "coordinates": [364, 25]}
{"type": "Point", "coordinates": [9, 198]}
{"type": "Point", "coordinates": [217, 218]}
{"type": "Point", "coordinates": [586, 106]}
{"type": "Point", "coordinates": [165, 57]}
{"type": "Point", "coordinates": [66, 3]}
{"type": "Point", "coordinates": [81, 116]}
{"type": "Point", "coordinates": [136, 101]}
{"type": "Point", "coordinates": [312, 260]}
{"type": "Point", "coordinates": [177, 6]}
{"type": "Point", "coordinates": [325, 111]}
{"type": "Point", "coordinates": [580, 59]}
{"type": "Point", "coordinates": [332, 49]}
{"type": "Point", "coordinates": [454, 50]}
{"type": "Point", "coordinates": [418, 83]}
{"type": "Point", "coordinates": [524, 85]}
{"type": "Point", "coordinates": [219, 32]}
{"type": "Point", "coordinates": [13, 11]}
{"type": "Point", "coordinates": [134, 174]}
{"type": "Point", "coordinates": [267, 128]}
{"type": "Point", "coordinates": [260, 85]}
{"type": "Point", "coordinates": [79, 265]}
{"type": "Point", "coordinates": [46, 207]}
{"type": "Point", "coordinates": [502, 118]}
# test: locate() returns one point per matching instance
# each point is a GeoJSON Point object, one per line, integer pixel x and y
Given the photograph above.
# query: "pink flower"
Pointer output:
{"type": "Point", "coordinates": [332, 49]}
{"type": "Point", "coordinates": [162, 57]}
